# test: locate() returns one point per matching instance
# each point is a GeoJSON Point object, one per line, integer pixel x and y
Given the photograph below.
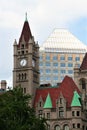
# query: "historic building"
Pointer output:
{"type": "Point", "coordinates": [64, 107]}
{"type": "Point", "coordinates": [26, 61]}
{"type": "Point", "coordinates": [58, 56]}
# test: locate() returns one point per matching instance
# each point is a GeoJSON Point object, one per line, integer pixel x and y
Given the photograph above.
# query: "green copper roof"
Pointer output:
{"type": "Point", "coordinates": [48, 102]}
{"type": "Point", "coordinates": [75, 100]}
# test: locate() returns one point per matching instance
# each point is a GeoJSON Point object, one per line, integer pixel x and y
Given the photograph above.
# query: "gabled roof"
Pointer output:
{"type": "Point", "coordinates": [67, 88]}
{"type": "Point", "coordinates": [48, 102]}
{"type": "Point", "coordinates": [26, 32]}
{"type": "Point", "coordinates": [76, 100]}
{"type": "Point", "coordinates": [84, 63]}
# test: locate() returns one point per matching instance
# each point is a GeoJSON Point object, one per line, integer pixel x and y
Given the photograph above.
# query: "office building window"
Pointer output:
{"type": "Point", "coordinates": [41, 71]}
{"type": "Point", "coordinates": [41, 64]}
{"type": "Point", "coordinates": [55, 58]}
{"type": "Point", "coordinates": [63, 71]}
{"type": "Point", "coordinates": [77, 58]}
{"type": "Point", "coordinates": [48, 71]}
{"type": "Point", "coordinates": [48, 78]}
{"type": "Point", "coordinates": [55, 64]}
{"type": "Point", "coordinates": [70, 58]}
{"type": "Point", "coordinates": [70, 65]}
{"type": "Point", "coordinates": [62, 65]}
{"type": "Point", "coordinates": [55, 78]}
{"type": "Point", "coordinates": [47, 64]}
{"type": "Point", "coordinates": [62, 58]}
{"type": "Point", "coordinates": [47, 57]}
{"type": "Point", "coordinates": [41, 57]}
{"type": "Point", "coordinates": [41, 78]}
{"type": "Point", "coordinates": [70, 71]}
{"type": "Point", "coordinates": [55, 71]}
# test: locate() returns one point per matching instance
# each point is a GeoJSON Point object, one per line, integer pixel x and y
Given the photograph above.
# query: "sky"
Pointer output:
{"type": "Point", "coordinates": [43, 17]}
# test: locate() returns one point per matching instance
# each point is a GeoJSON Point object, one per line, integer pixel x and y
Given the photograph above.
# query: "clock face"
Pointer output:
{"type": "Point", "coordinates": [23, 62]}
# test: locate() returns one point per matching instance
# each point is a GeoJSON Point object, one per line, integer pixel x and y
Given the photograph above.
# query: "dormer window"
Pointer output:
{"type": "Point", "coordinates": [61, 100]}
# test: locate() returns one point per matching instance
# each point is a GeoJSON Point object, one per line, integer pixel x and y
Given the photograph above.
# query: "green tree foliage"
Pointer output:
{"type": "Point", "coordinates": [16, 113]}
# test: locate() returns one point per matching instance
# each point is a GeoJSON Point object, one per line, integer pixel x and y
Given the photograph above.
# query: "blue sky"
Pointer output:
{"type": "Point", "coordinates": [43, 17]}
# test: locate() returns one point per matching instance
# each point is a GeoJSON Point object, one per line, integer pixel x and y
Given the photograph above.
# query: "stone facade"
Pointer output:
{"type": "Point", "coordinates": [53, 103]}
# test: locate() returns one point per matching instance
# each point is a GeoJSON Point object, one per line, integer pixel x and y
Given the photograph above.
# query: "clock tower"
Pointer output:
{"type": "Point", "coordinates": [26, 61]}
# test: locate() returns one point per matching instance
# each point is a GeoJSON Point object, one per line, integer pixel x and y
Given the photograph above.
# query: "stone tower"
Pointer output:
{"type": "Point", "coordinates": [26, 61]}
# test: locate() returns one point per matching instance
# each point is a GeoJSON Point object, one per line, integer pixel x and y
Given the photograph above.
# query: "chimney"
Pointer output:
{"type": "Point", "coordinates": [3, 84]}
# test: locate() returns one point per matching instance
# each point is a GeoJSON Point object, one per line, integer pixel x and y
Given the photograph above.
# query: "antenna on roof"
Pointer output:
{"type": "Point", "coordinates": [26, 16]}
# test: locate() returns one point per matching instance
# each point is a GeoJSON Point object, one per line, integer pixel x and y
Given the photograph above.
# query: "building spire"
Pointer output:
{"type": "Point", "coordinates": [26, 16]}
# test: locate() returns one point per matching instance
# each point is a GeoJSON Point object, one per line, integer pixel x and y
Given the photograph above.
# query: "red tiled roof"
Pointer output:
{"type": "Point", "coordinates": [67, 88]}
{"type": "Point", "coordinates": [84, 63]}
{"type": "Point", "coordinates": [26, 33]}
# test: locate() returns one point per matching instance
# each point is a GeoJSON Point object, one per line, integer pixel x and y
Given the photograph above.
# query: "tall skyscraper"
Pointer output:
{"type": "Point", "coordinates": [58, 56]}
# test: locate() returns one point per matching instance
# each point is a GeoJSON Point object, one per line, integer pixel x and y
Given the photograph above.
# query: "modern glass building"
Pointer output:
{"type": "Point", "coordinates": [58, 56]}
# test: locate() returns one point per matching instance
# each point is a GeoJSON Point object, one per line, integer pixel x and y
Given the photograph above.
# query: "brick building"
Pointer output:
{"type": "Point", "coordinates": [64, 107]}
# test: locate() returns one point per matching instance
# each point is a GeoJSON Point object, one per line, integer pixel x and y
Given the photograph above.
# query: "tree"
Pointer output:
{"type": "Point", "coordinates": [16, 113]}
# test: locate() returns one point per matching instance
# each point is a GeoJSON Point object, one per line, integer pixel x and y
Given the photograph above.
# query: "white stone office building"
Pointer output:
{"type": "Point", "coordinates": [58, 56]}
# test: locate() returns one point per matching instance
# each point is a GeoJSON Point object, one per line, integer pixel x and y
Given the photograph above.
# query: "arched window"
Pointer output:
{"type": "Point", "coordinates": [57, 127]}
{"type": "Point", "coordinates": [66, 127]}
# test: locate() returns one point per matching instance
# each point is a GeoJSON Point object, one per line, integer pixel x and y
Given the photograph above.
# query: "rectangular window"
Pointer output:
{"type": "Point", "coordinates": [48, 115]}
{"type": "Point", "coordinates": [70, 71]}
{"type": "Point", "coordinates": [55, 64]}
{"type": "Point", "coordinates": [63, 71]}
{"type": "Point", "coordinates": [78, 125]}
{"type": "Point", "coordinates": [41, 57]}
{"type": "Point", "coordinates": [70, 58]}
{"type": "Point", "coordinates": [55, 58]}
{"type": "Point", "coordinates": [47, 57]}
{"type": "Point", "coordinates": [48, 78]}
{"type": "Point", "coordinates": [48, 71]}
{"type": "Point", "coordinates": [55, 71]}
{"type": "Point", "coordinates": [24, 90]}
{"type": "Point", "coordinates": [47, 64]}
{"type": "Point", "coordinates": [73, 113]}
{"type": "Point", "coordinates": [40, 64]}
{"type": "Point", "coordinates": [73, 125]}
{"type": "Point", "coordinates": [70, 65]}
{"type": "Point", "coordinates": [61, 113]}
{"type": "Point", "coordinates": [77, 58]}
{"type": "Point", "coordinates": [62, 64]}
{"type": "Point", "coordinates": [55, 78]}
{"type": "Point", "coordinates": [78, 113]}
{"type": "Point", "coordinates": [62, 58]}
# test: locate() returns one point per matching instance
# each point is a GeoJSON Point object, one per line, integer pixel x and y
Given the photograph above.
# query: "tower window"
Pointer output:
{"type": "Point", "coordinates": [78, 113]}
{"type": "Point", "coordinates": [78, 125]}
{"type": "Point", "coordinates": [22, 46]}
{"type": "Point", "coordinates": [73, 113]}
{"type": "Point", "coordinates": [83, 84]}
{"type": "Point", "coordinates": [22, 52]}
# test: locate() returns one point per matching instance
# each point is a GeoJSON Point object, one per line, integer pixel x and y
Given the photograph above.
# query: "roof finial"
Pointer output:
{"type": "Point", "coordinates": [26, 16]}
